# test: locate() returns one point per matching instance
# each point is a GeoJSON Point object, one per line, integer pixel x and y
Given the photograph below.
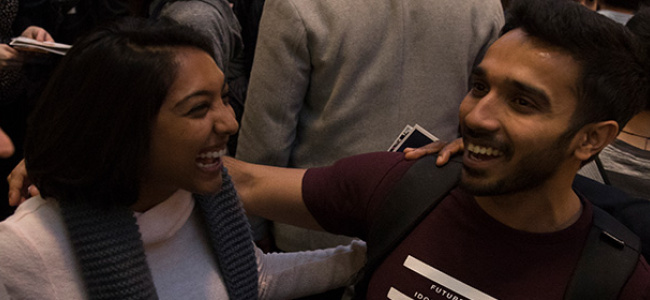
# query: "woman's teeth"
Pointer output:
{"type": "Point", "coordinates": [209, 159]}
{"type": "Point", "coordinates": [202, 165]}
{"type": "Point", "coordinates": [212, 154]}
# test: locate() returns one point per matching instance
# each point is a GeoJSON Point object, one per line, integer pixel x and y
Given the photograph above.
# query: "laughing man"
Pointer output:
{"type": "Point", "coordinates": [550, 93]}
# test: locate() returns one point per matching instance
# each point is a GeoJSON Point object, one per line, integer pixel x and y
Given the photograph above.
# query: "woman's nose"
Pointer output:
{"type": "Point", "coordinates": [225, 122]}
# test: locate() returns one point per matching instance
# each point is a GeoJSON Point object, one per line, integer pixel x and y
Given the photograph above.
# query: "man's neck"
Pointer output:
{"type": "Point", "coordinates": [551, 207]}
{"type": "Point", "coordinates": [637, 131]}
{"type": "Point", "coordinates": [616, 9]}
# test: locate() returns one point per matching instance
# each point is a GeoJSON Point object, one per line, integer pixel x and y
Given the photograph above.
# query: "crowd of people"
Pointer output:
{"type": "Point", "coordinates": [159, 151]}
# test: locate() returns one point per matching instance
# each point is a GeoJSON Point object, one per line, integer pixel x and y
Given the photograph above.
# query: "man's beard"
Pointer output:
{"type": "Point", "coordinates": [533, 170]}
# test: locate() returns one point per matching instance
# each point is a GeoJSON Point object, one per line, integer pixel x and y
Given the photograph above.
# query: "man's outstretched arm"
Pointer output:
{"type": "Point", "coordinates": [271, 192]}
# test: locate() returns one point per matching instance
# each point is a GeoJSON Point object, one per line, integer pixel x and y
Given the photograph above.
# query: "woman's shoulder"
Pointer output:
{"type": "Point", "coordinates": [31, 206]}
{"type": "Point", "coordinates": [34, 232]}
{"type": "Point", "coordinates": [33, 210]}
{"type": "Point", "coordinates": [36, 224]}
{"type": "Point", "coordinates": [35, 253]}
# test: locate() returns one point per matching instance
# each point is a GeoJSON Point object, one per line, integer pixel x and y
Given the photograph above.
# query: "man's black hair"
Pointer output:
{"type": "Point", "coordinates": [640, 25]}
{"type": "Point", "coordinates": [614, 83]}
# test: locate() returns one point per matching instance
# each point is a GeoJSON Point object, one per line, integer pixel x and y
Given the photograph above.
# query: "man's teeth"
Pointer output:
{"type": "Point", "coordinates": [483, 150]}
{"type": "Point", "coordinates": [212, 154]}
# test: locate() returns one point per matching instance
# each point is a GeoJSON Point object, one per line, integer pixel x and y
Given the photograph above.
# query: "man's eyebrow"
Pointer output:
{"type": "Point", "coordinates": [540, 95]}
{"type": "Point", "coordinates": [478, 71]}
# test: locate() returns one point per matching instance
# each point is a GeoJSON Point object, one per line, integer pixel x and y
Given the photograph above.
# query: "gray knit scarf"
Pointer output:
{"type": "Point", "coordinates": [109, 247]}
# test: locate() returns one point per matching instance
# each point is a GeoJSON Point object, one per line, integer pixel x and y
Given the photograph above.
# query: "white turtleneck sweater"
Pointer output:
{"type": "Point", "coordinates": [37, 262]}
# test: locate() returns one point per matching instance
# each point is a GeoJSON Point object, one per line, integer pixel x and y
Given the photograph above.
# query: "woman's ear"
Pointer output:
{"type": "Point", "coordinates": [594, 137]}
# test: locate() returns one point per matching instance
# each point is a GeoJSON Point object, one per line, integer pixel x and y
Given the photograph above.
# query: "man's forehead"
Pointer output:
{"type": "Point", "coordinates": [518, 48]}
{"type": "Point", "coordinates": [518, 59]}
{"type": "Point", "coordinates": [518, 36]}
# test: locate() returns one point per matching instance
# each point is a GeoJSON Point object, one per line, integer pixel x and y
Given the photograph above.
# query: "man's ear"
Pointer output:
{"type": "Point", "coordinates": [594, 137]}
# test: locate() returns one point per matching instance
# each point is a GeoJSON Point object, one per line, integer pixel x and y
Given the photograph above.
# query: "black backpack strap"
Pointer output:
{"type": "Point", "coordinates": [602, 171]}
{"type": "Point", "coordinates": [631, 212]}
{"type": "Point", "coordinates": [421, 188]}
{"type": "Point", "coordinates": [608, 259]}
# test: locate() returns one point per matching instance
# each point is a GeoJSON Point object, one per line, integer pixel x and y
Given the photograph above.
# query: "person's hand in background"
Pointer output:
{"type": "Point", "coordinates": [9, 57]}
{"type": "Point", "coordinates": [12, 58]}
{"type": "Point", "coordinates": [37, 33]}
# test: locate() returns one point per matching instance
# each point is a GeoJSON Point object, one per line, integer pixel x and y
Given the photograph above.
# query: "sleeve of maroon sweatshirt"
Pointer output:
{"type": "Point", "coordinates": [343, 197]}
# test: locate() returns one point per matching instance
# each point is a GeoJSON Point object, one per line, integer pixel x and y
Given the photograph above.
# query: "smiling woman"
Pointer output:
{"type": "Point", "coordinates": [126, 147]}
{"type": "Point", "coordinates": [190, 133]}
